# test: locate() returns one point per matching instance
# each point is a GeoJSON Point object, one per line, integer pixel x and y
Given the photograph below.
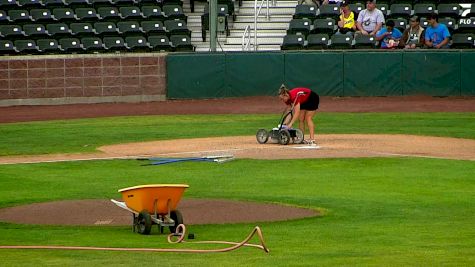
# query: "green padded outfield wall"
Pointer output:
{"type": "Point", "coordinates": [435, 73]}
{"type": "Point", "coordinates": [372, 74]}
{"type": "Point", "coordinates": [310, 70]}
{"type": "Point", "coordinates": [467, 70]}
{"type": "Point", "coordinates": [330, 73]}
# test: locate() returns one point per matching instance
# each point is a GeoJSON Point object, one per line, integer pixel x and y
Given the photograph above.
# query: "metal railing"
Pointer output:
{"type": "Point", "coordinates": [257, 11]}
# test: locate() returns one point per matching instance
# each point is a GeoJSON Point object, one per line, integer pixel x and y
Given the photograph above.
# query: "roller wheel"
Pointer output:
{"type": "Point", "coordinates": [298, 139]}
{"type": "Point", "coordinates": [284, 137]}
{"type": "Point", "coordinates": [262, 136]}
{"type": "Point", "coordinates": [144, 222]}
{"type": "Point", "coordinates": [177, 217]}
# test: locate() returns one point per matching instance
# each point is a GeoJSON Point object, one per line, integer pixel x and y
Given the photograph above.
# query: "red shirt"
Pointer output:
{"type": "Point", "coordinates": [301, 98]}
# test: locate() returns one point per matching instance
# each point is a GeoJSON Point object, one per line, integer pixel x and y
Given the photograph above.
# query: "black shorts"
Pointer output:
{"type": "Point", "coordinates": [312, 102]}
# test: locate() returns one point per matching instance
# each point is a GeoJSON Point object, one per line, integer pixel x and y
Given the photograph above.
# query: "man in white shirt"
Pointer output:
{"type": "Point", "coordinates": [370, 20]}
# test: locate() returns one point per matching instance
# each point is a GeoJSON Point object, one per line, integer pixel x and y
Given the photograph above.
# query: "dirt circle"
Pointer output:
{"type": "Point", "coordinates": [195, 211]}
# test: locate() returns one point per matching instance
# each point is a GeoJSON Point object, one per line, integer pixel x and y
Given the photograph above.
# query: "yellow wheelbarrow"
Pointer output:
{"type": "Point", "coordinates": [154, 203]}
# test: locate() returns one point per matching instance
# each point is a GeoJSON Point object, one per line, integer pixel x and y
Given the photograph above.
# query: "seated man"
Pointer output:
{"type": "Point", "coordinates": [413, 36]}
{"type": "Point", "coordinates": [437, 35]}
{"type": "Point", "coordinates": [346, 24]}
{"type": "Point", "coordinates": [370, 20]}
{"type": "Point", "coordinates": [389, 36]}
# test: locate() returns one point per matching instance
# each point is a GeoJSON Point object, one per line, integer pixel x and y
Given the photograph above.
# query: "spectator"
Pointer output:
{"type": "Point", "coordinates": [437, 35]}
{"type": "Point", "coordinates": [334, 2]}
{"type": "Point", "coordinates": [413, 36]}
{"type": "Point", "coordinates": [370, 20]}
{"type": "Point", "coordinates": [346, 24]}
{"type": "Point", "coordinates": [389, 36]}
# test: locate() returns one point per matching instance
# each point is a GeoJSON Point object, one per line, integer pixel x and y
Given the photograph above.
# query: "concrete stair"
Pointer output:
{"type": "Point", "coordinates": [270, 31]}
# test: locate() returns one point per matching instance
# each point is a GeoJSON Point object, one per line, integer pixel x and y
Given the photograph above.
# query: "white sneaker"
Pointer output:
{"type": "Point", "coordinates": [310, 142]}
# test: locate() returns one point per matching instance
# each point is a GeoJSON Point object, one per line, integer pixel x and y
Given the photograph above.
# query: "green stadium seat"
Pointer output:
{"type": "Point", "coordinates": [327, 25]}
{"type": "Point", "coordinates": [153, 28]}
{"type": "Point", "coordinates": [329, 11]}
{"type": "Point", "coordinates": [383, 7]}
{"type": "Point", "coordinates": [48, 45]}
{"type": "Point", "coordinates": [293, 42]}
{"type": "Point", "coordinates": [26, 46]}
{"type": "Point", "coordinates": [424, 10]}
{"type": "Point", "coordinates": [58, 30]}
{"type": "Point", "coordinates": [130, 12]}
{"type": "Point", "coordinates": [299, 26]}
{"type": "Point", "coordinates": [357, 7]}
{"type": "Point", "coordinates": [64, 14]}
{"type": "Point", "coordinates": [11, 31]}
{"type": "Point", "coordinates": [105, 28]}
{"type": "Point", "coordinates": [400, 11]}
{"type": "Point", "coordinates": [92, 44]}
{"type": "Point", "coordinates": [176, 27]}
{"type": "Point", "coordinates": [448, 10]}
{"type": "Point", "coordinates": [123, 2]}
{"type": "Point", "coordinates": [181, 43]}
{"type": "Point", "coordinates": [159, 43]}
{"type": "Point", "coordinates": [8, 4]}
{"type": "Point", "coordinates": [109, 13]}
{"type": "Point", "coordinates": [129, 27]}
{"type": "Point", "coordinates": [317, 41]}
{"type": "Point", "coordinates": [463, 40]}
{"type": "Point", "coordinates": [82, 29]}
{"type": "Point", "coordinates": [172, 11]}
{"type": "Point", "coordinates": [7, 47]}
{"type": "Point", "coordinates": [86, 14]}
{"type": "Point", "coordinates": [4, 16]}
{"type": "Point", "coordinates": [305, 12]}
{"type": "Point", "coordinates": [35, 30]}
{"type": "Point", "coordinates": [341, 41]}
{"type": "Point", "coordinates": [137, 43]}
{"type": "Point", "coordinates": [365, 41]}
{"type": "Point", "coordinates": [76, 3]}
{"type": "Point", "coordinates": [52, 3]}
{"type": "Point", "coordinates": [70, 45]}
{"type": "Point", "coordinates": [41, 15]}
{"type": "Point", "coordinates": [30, 3]}
{"type": "Point", "coordinates": [152, 12]}
{"type": "Point", "coordinates": [114, 43]}
{"type": "Point", "coordinates": [19, 15]}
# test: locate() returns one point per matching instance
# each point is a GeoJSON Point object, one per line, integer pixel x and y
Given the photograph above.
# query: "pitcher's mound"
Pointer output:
{"type": "Point", "coordinates": [195, 211]}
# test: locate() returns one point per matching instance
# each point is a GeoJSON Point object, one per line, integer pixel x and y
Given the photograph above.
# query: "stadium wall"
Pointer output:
{"type": "Point", "coordinates": [331, 73]}
{"type": "Point", "coordinates": [72, 79]}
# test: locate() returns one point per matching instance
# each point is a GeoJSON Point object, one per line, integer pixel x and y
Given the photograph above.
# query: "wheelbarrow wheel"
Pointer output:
{"type": "Point", "coordinates": [284, 137]}
{"type": "Point", "coordinates": [298, 139]}
{"type": "Point", "coordinates": [262, 136]}
{"type": "Point", "coordinates": [144, 223]}
{"type": "Point", "coordinates": [177, 217]}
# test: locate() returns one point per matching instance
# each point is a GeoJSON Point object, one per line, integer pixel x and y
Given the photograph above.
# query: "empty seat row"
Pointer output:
{"type": "Point", "coordinates": [10, 4]}
{"type": "Point", "coordinates": [92, 44]}
{"type": "Point", "coordinates": [393, 11]}
{"type": "Point", "coordinates": [92, 14]}
{"type": "Point", "coordinates": [36, 31]}
{"type": "Point", "coordinates": [341, 41]}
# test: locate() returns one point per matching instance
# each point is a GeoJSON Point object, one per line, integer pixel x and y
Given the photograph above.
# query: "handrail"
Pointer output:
{"type": "Point", "coordinates": [247, 30]}
{"type": "Point", "coordinates": [246, 38]}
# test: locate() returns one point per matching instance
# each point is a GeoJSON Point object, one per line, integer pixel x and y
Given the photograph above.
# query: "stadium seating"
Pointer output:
{"type": "Point", "coordinates": [463, 40]}
{"type": "Point", "coordinates": [341, 41]}
{"type": "Point", "coordinates": [48, 45]}
{"type": "Point", "coordinates": [7, 47]}
{"type": "Point", "coordinates": [364, 42]}
{"type": "Point", "coordinates": [181, 43]}
{"type": "Point", "coordinates": [317, 41]}
{"type": "Point", "coordinates": [159, 43]}
{"type": "Point", "coordinates": [299, 26]}
{"type": "Point", "coordinates": [327, 25]}
{"type": "Point", "coordinates": [293, 42]}
{"type": "Point", "coordinates": [305, 12]}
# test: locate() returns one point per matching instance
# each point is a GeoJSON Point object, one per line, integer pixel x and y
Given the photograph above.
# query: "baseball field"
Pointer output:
{"type": "Point", "coordinates": [390, 184]}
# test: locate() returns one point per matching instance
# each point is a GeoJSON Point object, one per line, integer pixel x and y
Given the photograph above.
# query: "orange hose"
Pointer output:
{"type": "Point", "coordinates": [180, 232]}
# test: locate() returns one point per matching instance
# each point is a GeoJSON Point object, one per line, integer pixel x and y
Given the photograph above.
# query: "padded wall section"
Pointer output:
{"type": "Point", "coordinates": [321, 72]}
{"type": "Point", "coordinates": [196, 76]}
{"type": "Point", "coordinates": [254, 74]}
{"type": "Point", "coordinates": [431, 73]}
{"type": "Point", "coordinates": [467, 73]}
{"type": "Point", "coordinates": [372, 74]}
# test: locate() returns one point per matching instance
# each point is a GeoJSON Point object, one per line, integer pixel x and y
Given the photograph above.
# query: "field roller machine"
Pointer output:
{"type": "Point", "coordinates": [153, 204]}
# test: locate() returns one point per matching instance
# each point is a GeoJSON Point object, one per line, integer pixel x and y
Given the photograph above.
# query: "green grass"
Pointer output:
{"type": "Point", "coordinates": [85, 135]}
{"type": "Point", "coordinates": [378, 211]}
{"type": "Point", "coordinates": [396, 212]}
